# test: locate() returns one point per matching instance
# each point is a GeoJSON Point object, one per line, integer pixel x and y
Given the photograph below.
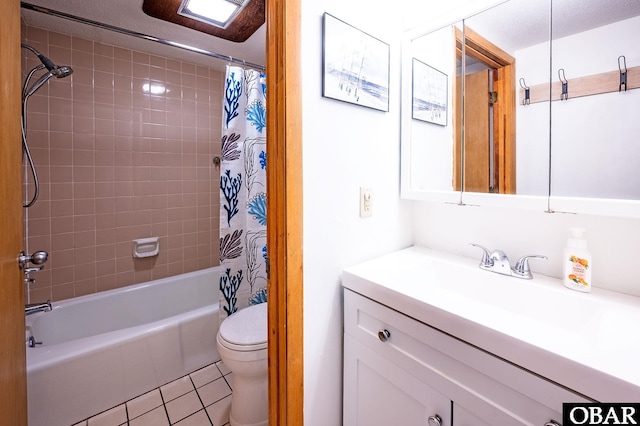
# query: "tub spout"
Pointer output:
{"type": "Point", "coordinates": [32, 308]}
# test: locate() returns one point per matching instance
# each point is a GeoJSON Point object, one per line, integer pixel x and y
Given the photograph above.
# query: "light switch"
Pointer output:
{"type": "Point", "coordinates": [366, 202]}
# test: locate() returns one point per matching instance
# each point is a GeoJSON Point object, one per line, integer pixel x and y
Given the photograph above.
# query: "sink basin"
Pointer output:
{"type": "Point", "coordinates": [580, 340]}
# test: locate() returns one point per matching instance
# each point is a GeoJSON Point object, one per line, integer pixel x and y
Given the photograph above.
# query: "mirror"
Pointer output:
{"type": "Point", "coordinates": [432, 71]}
{"type": "Point", "coordinates": [506, 143]}
{"type": "Point", "coordinates": [571, 155]}
{"type": "Point", "coordinates": [595, 151]}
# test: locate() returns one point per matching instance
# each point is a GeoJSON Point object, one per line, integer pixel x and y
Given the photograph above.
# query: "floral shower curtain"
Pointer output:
{"type": "Point", "coordinates": [243, 198]}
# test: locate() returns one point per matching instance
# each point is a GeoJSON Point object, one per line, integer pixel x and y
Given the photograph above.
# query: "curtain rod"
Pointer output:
{"type": "Point", "coordinates": [63, 15]}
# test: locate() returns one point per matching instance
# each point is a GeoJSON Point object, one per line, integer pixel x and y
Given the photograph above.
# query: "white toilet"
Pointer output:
{"type": "Point", "coordinates": [242, 343]}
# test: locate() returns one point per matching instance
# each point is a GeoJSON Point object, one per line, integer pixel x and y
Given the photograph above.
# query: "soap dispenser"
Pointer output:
{"type": "Point", "coordinates": [577, 262]}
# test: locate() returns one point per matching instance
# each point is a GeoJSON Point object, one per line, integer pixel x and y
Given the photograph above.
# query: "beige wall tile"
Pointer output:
{"type": "Point", "coordinates": [118, 163]}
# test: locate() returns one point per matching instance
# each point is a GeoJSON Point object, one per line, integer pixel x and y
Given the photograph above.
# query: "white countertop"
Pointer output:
{"type": "Point", "coordinates": [588, 342]}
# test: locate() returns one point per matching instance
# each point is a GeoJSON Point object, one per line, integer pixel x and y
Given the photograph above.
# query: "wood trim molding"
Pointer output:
{"type": "Point", "coordinates": [13, 378]}
{"type": "Point", "coordinates": [284, 213]}
{"type": "Point", "coordinates": [249, 19]}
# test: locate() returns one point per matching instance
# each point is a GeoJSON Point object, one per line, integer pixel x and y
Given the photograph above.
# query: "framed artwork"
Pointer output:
{"type": "Point", "coordinates": [429, 94]}
{"type": "Point", "coordinates": [355, 65]}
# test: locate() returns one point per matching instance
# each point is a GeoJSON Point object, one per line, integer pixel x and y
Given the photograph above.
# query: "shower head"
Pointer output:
{"type": "Point", "coordinates": [59, 72]}
{"type": "Point", "coordinates": [53, 70]}
{"type": "Point", "coordinates": [62, 71]}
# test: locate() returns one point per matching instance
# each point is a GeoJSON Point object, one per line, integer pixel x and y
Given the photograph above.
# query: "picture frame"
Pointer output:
{"type": "Point", "coordinates": [355, 65]}
{"type": "Point", "coordinates": [430, 92]}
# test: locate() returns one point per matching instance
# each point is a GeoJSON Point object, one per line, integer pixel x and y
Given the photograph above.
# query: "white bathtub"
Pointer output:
{"type": "Point", "coordinates": [101, 350]}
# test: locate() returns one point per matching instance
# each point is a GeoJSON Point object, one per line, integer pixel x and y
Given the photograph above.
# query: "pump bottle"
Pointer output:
{"type": "Point", "coordinates": [577, 262]}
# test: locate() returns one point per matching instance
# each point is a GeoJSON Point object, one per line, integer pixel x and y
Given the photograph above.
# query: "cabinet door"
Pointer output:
{"type": "Point", "coordinates": [377, 392]}
{"type": "Point", "coordinates": [462, 417]}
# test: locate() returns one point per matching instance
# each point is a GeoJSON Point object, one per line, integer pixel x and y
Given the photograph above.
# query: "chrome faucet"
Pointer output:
{"type": "Point", "coordinates": [498, 262]}
{"type": "Point", "coordinates": [32, 308]}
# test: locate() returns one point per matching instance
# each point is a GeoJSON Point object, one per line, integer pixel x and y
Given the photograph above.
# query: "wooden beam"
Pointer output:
{"type": "Point", "coordinates": [284, 213]}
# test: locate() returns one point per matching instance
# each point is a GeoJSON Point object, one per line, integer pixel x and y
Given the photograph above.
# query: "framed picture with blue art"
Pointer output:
{"type": "Point", "coordinates": [429, 94]}
{"type": "Point", "coordinates": [355, 65]}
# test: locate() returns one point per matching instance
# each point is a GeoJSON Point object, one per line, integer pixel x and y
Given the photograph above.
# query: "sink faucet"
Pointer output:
{"type": "Point", "coordinates": [498, 262]}
{"type": "Point", "coordinates": [32, 308]}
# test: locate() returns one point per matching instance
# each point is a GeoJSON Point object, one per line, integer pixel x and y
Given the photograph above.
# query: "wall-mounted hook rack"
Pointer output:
{"type": "Point", "coordinates": [527, 92]}
{"type": "Point", "coordinates": [623, 74]}
{"type": "Point", "coordinates": [595, 84]}
{"type": "Point", "coordinates": [564, 95]}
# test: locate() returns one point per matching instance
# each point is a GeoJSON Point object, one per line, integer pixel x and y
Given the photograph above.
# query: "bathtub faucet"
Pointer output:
{"type": "Point", "coordinates": [32, 308]}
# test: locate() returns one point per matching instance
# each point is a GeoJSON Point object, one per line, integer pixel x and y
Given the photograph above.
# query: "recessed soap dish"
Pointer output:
{"type": "Point", "coordinates": [146, 247]}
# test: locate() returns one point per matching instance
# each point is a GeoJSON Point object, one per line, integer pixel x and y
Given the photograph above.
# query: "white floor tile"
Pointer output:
{"type": "Point", "coordinates": [205, 375]}
{"type": "Point", "coordinates": [183, 406]}
{"type": "Point", "coordinates": [156, 417]}
{"type": "Point", "coordinates": [214, 391]}
{"type": "Point", "coordinates": [176, 388]}
{"type": "Point", "coordinates": [144, 403]}
{"type": "Point", "coordinates": [177, 402]}
{"type": "Point", "coordinates": [219, 412]}
{"type": "Point", "coordinates": [198, 419]}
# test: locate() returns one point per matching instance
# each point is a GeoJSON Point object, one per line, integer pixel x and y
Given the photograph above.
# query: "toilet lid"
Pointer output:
{"type": "Point", "coordinates": [246, 327]}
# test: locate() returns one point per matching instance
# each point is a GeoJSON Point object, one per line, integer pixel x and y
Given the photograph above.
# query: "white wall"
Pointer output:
{"type": "Point", "coordinates": [345, 146]}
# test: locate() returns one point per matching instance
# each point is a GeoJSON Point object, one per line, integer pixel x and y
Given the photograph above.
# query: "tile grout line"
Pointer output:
{"type": "Point", "coordinates": [164, 405]}
{"type": "Point", "coordinates": [200, 399]}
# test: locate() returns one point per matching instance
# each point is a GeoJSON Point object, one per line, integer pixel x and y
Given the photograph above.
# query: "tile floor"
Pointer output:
{"type": "Point", "coordinates": [202, 398]}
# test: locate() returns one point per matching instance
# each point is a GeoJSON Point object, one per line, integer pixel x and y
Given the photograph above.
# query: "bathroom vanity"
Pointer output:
{"type": "Point", "coordinates": [429, 338]}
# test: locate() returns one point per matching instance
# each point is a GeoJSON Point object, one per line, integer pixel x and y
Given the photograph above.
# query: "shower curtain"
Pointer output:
{"type": "Point", "coordinates": [243, 198]}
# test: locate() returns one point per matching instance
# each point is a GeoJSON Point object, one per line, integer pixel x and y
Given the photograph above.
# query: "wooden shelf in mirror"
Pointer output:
{"type": "Point", "coordinates": [595, 84]}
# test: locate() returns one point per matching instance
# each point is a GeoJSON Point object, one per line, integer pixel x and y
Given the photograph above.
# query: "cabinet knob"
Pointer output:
{"type": "Point", "coordinates": [552, 423]}
{"type": "Point", "coordinates": [384, 335]}
{"type": "Point", "coordinates": [435, 420]}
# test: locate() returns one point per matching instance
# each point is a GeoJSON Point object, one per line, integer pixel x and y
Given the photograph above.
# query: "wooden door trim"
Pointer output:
{"type": "Point", "coordinates": [13, 379]}
{"type": "Point", "coordinates": [284, 213]}
{"type": "Point", "coordinates": [504, 111]}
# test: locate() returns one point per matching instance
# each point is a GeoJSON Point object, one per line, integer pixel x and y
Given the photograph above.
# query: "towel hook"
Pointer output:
{"type": "Point", "coordinates": [565, 85]}
{"type": "Point", "coordinates": [527, 92]}
{"type": "Point", "coordinates": [623, 73]}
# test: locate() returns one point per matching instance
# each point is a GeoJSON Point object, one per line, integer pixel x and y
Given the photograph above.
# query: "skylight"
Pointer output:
{"type": "Point", "coordinates": [215, 12]}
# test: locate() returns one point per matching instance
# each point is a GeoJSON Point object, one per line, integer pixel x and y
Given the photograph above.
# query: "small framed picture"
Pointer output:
{"type": "Point", "coordinates": [430, 94]}
{"type": "Point", "coordinates": [355, 65]}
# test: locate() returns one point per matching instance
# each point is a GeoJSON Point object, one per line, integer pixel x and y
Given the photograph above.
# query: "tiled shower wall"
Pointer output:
{"type": "Point", "coordinates": [123, 150]}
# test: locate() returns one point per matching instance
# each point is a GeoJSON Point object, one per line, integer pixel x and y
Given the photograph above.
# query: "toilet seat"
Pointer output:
{"type": "Point", "coordinates": [245, 330]}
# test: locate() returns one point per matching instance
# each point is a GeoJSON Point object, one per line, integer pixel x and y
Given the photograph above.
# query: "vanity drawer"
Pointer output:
{"type": "Point", "coordinates": [491, 388]}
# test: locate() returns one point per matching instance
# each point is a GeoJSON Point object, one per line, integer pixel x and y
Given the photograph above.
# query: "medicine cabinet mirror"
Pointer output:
{"type": "Point", "coordinates": [575, 154]}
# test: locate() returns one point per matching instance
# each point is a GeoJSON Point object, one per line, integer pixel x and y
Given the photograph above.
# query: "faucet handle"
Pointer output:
{"type": "Point", "coordinates": [487, 260]}
{"type": "Point", "coordinates": [522, 270]}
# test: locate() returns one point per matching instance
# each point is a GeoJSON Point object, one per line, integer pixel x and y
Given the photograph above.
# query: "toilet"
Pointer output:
{"type": "Point", "coordinates": [242, 343]}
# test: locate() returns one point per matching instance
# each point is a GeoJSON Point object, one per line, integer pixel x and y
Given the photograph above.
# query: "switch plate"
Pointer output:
{"type": "Point", "coordinates": [366, 202]}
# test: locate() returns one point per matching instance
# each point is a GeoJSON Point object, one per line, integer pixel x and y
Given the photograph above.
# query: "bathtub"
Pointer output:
{"type": "Point", "coordinates": [103, 349]}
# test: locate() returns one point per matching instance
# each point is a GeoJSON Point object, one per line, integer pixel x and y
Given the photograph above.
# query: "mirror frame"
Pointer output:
{"type": "Point", "coordinates": [548, 203]}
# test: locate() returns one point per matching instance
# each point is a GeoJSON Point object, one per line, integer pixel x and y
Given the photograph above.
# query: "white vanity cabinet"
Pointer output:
{"type": "Point", "coordinates": [398, 370]}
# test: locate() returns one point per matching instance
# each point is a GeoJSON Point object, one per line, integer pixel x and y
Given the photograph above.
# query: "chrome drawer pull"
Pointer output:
{"type": "Point", "coordinates": [435, 420]}
{"type": "Point", "coordinates": [552, 423]}
{"type": "Point", "coordinates": [384, 335]}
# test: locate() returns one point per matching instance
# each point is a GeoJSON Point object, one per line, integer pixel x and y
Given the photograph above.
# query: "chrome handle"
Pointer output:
{"type": "Point", "coordinates": [384, 335]}
{"type": "Point", "coordinates": [435, 420]}
{"type": "Point", "coordinates": [37, 258]}
{"type": "Point", "coordinates": [522, 269]}
{"type": "Point", "coordinates": [552, 423]}
{"type": "Point", "coordinates": [486, 255]}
